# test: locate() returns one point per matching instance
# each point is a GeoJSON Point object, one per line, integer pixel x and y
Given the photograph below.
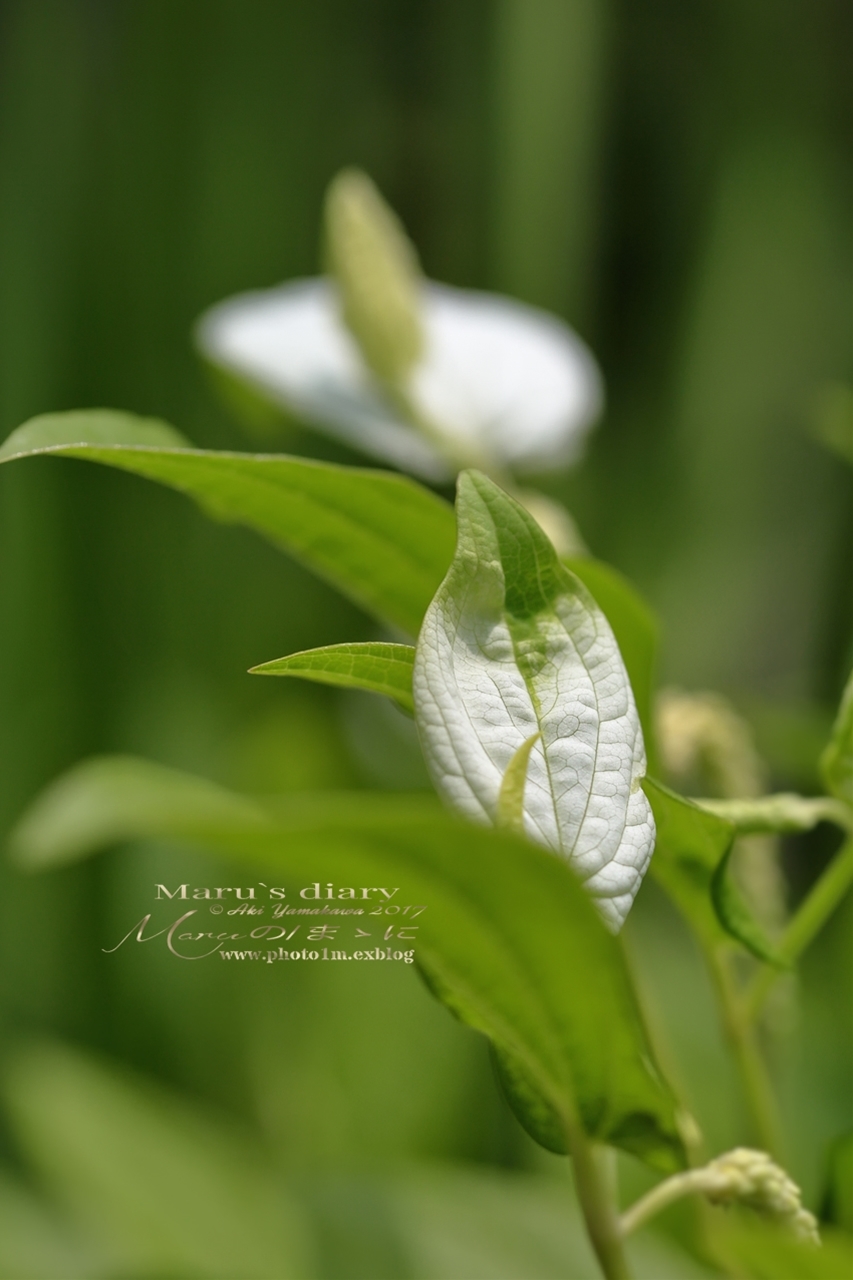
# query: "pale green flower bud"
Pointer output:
{"type": "Point", "coordinates": [376, 269]}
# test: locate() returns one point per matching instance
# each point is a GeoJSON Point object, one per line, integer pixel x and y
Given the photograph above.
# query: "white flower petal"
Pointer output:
{"type": "Point", "coordinates": [503, 376]}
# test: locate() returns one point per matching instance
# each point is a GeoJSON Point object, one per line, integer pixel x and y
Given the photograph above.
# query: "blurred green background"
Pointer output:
{"type": "Point", "coordinates": [669, 178]}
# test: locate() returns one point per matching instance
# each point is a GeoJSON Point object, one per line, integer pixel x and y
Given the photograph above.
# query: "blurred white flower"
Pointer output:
{"type": "Point", "coordinates": [501, 380]}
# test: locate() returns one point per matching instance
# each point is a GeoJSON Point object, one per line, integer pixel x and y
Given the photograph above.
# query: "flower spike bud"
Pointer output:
{"type": "Point", "coordinates": [752, 1178]}
{"type": "Point", "coordinates": [742, 1176]}
{"type": "Point", "coordinates": [459, 378]}
{"type": "Point", "coordinates": [376, 269]}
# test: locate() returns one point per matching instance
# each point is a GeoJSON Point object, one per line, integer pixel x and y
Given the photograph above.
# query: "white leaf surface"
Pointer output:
{"type": "Point", "coordinates": [513, 645]}
{"type": "Point", "coordinates": [506, 378]}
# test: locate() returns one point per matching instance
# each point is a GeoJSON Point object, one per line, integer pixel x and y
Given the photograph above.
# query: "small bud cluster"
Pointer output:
{"type": "Point", "coordinates": [752, 1178]}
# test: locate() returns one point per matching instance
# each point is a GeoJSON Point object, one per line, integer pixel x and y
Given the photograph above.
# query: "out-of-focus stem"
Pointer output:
{"type": "Point", "coordinates": [661, 1197]}
{"type": "Point", "coordinates": [785, 812]}
{"type": "Point", "coordinates": [758, 1092]}
{"type": "Point", "coordinates": [806, 923]}
{"type": "Point", "coordinates": [593, 1183]}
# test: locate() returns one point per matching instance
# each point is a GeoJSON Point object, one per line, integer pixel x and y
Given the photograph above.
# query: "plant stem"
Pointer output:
{"type": "Point", "coordinates": [807, 921]}
{"type": "Point", "coordinates": [778, 814]}
{"type": "Point", "coordinates": [661, 1197]}
{"type": "Point", "coordinates": [754, 1076]}
{"type": "Point", "coordinates": [598, 1208]}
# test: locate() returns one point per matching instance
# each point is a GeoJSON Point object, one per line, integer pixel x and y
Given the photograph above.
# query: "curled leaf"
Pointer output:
{"type": "Point", "coordinates": [736, 916]}
{"type": "Point", "coordinates": [510, 812]}
{"type": "Point", "coordinates": [513, 645]}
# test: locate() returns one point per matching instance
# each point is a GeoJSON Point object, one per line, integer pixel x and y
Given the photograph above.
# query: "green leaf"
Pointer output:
{"type": "Point", "coordinates": [513, 645]}
{"type": "Point", "coordinates": [691, 862]}
{"type": "Point", "coordinates": [381, 539]}
{"type": "Point", "coordinates": [634, 626]}
{"type": "Point", "coordinates": [735, 915]}
{"type": "Point", "coordinates": [837, 1204]}
{"type": "Point", "coordinates": [766, 1251]}
{"type": "Point", "coordinates": [509, 939]}
{"type": "Point", "coordinates": [163, 1187]}
{"type": "Point", "coordinates": [36, 1243]}
{"type": "Point", "coordinates": [836, 763]}
{"type": "Point", "coordinates": [113, 798]}
{"type": "Point", "coordinates": [689, 847]}
{"type": "Point", "coordinates": [374, 666]}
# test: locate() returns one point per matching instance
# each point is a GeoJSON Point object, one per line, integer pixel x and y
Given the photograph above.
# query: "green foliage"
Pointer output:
{"type": "Point", "coordinates": [158, 1185]}
{"type": "Point", "coordinates": [736, 917]}
{"type": "Point", "coordinates": [689, 847]}
{"type": "Point", "coordinates": [763, 1252]}
{"type": "Point", "coordinates": [114, 798]}
{"type": "Point", "coordinates": [730, 257]}
{"type": "Point", "coordinates": [692, 862]}
{"type": "Point", "coordinates": [548, 985]}
{"type": "Point", "coordinates": [34, 1246]}
{"type": "Point", "coordinates": [51, 432]}
{"type": "Point", "coordinates": [383, 540]}
{"type": "Point", "coordinates": [838, 1196]}
{"type": "Point", "coordinates": [373, 666]}
{"type": "Point", "coordinates": [837, 1204]}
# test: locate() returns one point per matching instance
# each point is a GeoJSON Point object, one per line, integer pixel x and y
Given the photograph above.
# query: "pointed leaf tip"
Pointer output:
{"type": "Point", "coordinates": [375, 666]}
{"type": "Point", "coordinates": [513, 646]}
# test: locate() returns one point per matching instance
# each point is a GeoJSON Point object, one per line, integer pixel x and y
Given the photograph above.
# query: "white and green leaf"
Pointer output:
{"type": "Point", "coordinates": [514, 645]}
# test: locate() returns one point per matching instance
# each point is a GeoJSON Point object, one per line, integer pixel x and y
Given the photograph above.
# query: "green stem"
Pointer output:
{"type": "Point", "coordinates": [779, 814]}
{"type": "Point", "coordinates": [806, 923]}
{"type": "Point", "coordinates": [755, 1079]}
{"type": "Point", "coordinates": [597, 1204]}
{"type": "Point", "coordinates": [661, 1197]}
